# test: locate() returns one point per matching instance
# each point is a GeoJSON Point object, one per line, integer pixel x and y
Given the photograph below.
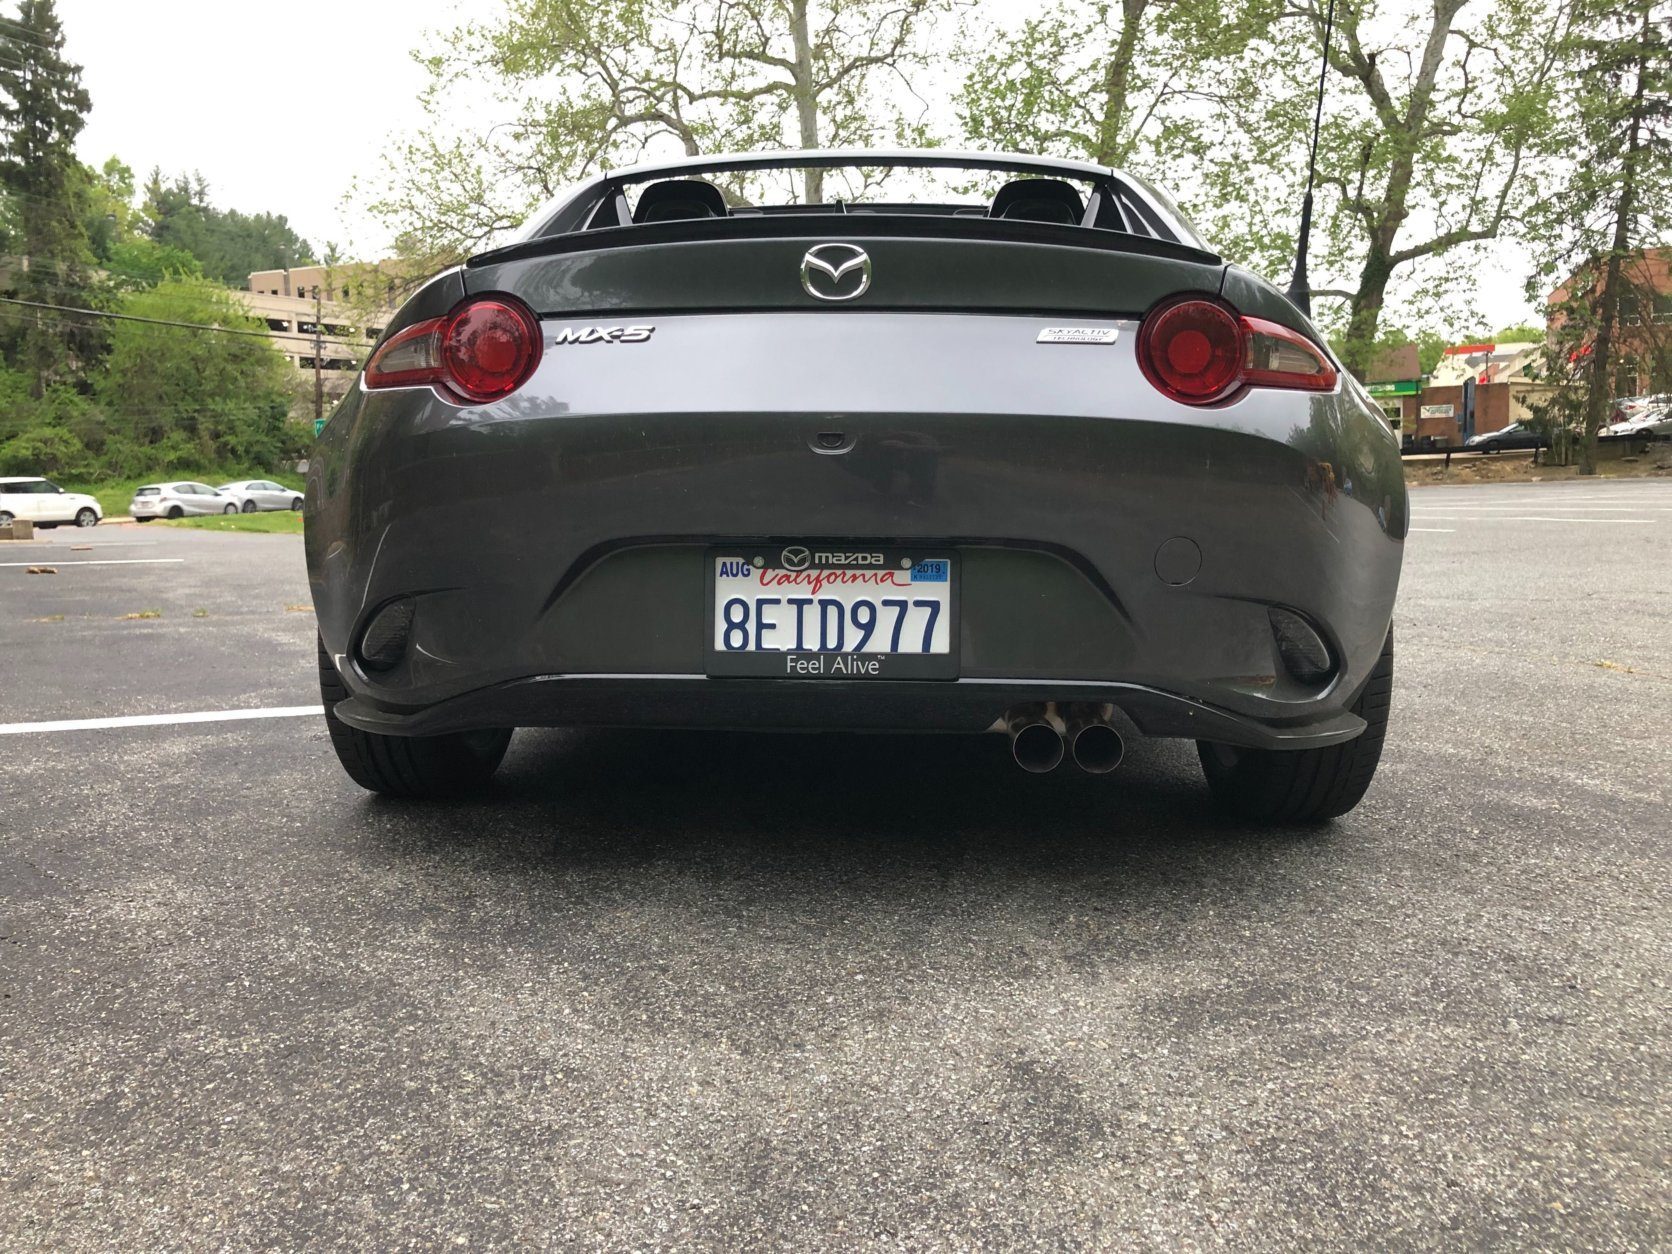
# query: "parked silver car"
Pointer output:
{"type": "Point", "coordinates": [177, 500]}
{"type": "Point", "coordinates": [1641, 415]}
{"type": "Point", "coordinates": [254, 494]}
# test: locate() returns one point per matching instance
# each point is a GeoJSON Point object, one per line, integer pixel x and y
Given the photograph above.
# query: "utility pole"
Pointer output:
{"type": "Point", "coordinates": [318, 353]}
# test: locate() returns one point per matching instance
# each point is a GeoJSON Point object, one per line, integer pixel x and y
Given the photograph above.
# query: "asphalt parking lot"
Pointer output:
{"type": "Point", "coordinates": [809, 992]}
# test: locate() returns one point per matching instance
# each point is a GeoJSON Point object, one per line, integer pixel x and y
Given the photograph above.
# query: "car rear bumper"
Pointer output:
{"type": "Point", "coordinates": [558, 561]}
{"type": "Point", "coordinates": [700, 701]}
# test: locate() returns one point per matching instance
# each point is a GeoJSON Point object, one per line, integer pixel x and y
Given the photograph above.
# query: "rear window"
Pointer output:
{"type": "Point", "coordinates": [149, 492]}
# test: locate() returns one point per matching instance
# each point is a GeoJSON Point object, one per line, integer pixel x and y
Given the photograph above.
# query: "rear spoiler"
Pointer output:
{"type": "Point", "coordinates": [841, 226]}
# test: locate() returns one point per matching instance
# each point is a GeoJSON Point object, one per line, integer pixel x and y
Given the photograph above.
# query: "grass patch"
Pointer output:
{"type": "Point", "coordinates": [114, 495]}
{"type": "Point", "coordinates": [128, 618]}
{"type": "Point", "coordinates": [279, 522]}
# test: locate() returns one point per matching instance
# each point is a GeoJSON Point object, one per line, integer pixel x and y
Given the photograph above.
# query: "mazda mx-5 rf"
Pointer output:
{"type": "Point", "coordinates": [871, 441]}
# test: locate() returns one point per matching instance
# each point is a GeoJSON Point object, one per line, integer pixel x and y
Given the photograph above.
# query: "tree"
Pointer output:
{"type": "Point", "coordinates": [229, 244]}
{"type": "Point", "coordinates": [210, 396]}
{"type": "Point", "coordinates": [582, 87]}
{"type": "Point", "coordinates": [1524, 333]}
{"type": "Point", "coordinates": [43, 107]}
{"type": "Point", "coordinates": [1100, 81]}
{"type": "Point", "coordinates": [1614, 204]}
{"type": "Point", "coordinates": [1431, 346]}
{"type": "Point", "coordinates": [1428, 133]}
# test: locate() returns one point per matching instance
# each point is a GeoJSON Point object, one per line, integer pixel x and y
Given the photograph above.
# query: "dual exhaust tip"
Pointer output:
{"type": "Point", "coordinates": [1041, 736]}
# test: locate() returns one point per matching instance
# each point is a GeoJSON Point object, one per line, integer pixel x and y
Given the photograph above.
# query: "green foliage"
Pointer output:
{"type": "Point", "coordinates": [1431, 346]}
{"type": "Point", "coordinates": [192, 396]}
{"type": "Point", "coordinates": [141, 262]}
{"type": "Point", "coordinates": [42, 109]}
{"type": "Point", "coordinates": [270, 522]}
{"type": "Point", "coordinates": [1099, 81]}
{"type": "Point", "coordinates": [229, 244]}
{"type": "Point", "coordinates": [44, 451]}
{"type": "Point", "coordinates": [566, 87]}
{"type": "Point", "coordinates": [1593, 227]}
{"type": "Point", "coordinates": [1523, 333]}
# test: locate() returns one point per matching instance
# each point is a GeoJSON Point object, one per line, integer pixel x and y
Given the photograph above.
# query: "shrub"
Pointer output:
{"type": "Point", "coordinates": [44, 451]}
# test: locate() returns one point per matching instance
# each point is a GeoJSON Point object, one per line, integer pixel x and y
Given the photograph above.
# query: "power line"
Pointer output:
{"type": "Point", "coordinates": [285, 341]}
{"type": "Point", "coordinates": [160, 322]}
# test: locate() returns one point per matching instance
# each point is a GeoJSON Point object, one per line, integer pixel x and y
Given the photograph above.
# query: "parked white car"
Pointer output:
{"type": "Point", "coordinates": [177, 500]}
{"type": "Point", "coordinates": [254, 494]}
{"type": "Point", "coordinates": [45, 504]}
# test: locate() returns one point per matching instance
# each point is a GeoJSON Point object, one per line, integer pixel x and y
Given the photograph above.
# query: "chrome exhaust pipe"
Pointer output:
{"type": "Point", "coordinates": [1035, 742]}
{"type": "Point", "coordinates": [1097, 747]}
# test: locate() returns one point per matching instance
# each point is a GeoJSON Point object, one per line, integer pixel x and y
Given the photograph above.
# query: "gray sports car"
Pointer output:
{"type": "Point", "coordinates": [964, 442]}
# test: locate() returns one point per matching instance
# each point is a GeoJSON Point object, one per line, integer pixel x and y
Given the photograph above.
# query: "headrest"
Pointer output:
{"type": "Point", "coordinates": [673, 199]}
{"type": "Point", "coordinates": [1038, 200]}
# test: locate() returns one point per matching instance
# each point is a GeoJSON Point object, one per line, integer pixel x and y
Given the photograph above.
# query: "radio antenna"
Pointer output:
{"type": "Point", "coordinates": [1300, 287]}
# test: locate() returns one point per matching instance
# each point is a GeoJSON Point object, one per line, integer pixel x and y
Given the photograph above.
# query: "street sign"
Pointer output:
{"type": "Point", "coordinates": [319, 425]}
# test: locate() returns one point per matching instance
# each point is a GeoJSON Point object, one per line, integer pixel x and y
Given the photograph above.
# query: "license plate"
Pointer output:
{"type": "Point", "coordinates": [837, 610]}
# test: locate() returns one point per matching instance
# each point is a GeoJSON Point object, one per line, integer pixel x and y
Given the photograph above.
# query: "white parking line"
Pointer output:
{"type": "Point", "coordinates": [1441, 530]}
{"type": "Point", "coordinates": [159, 720]}
{"type": "Point", "coordinates": [106, 561]}
{"type": "Point", "coordinates": [1488, 510]}
{"type": "Point", "coordinates": [1646, 522]}
{"type": "Point", "coordinates": [102, 544]}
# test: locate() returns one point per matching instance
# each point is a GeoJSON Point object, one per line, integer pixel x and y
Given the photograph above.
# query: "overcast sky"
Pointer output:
{"type": "Point", "coordinates": [280, 105]}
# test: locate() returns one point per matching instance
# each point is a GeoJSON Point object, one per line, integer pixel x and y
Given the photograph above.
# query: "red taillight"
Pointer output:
{"type": "Point", "coordinates": [1198, 351]}
{"type": "Point", "coordinates": [1191, 350]}
{"type": "Point", "coordinates": [484, 350]}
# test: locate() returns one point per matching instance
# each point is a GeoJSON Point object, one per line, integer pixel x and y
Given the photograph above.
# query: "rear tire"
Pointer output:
{"type": "Point", "coordinates": [176, 512]}
{"type": "Point", "coordinates": [409, 766]}
{"type": "Point", "coordinates": [7, 518]}
{"type": "Point", "coordinates": [249, 507]}
{"type": "Point", "coordinates": [1305, 785]}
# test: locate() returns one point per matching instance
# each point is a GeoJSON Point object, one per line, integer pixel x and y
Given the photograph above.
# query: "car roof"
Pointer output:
{"type": "Point", "coordinates": [20, 478]}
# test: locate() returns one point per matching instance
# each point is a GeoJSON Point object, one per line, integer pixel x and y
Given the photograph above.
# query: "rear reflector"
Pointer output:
{"type": "Point", "coordinates": [484, 350]}
{"type": "Point", "coordinates": [1199, 351]}
{"type": "Point", "coordinates": [1304, 653]}
{"type": "Point", "coordinates": [383, 643]}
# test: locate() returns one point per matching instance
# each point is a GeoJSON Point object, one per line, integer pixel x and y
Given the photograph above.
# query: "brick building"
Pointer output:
{"type": "Point", "coordinates": [1644, 343]}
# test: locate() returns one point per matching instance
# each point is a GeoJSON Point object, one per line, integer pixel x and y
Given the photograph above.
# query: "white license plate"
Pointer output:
{"type": "Point", "coordinates": [833, 611]}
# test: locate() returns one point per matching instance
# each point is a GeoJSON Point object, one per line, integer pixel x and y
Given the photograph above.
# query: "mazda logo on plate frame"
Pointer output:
{"type": "Point", "coordinates": [795, 557]}
{"type": "Point", "coordinates": [833, 263]}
